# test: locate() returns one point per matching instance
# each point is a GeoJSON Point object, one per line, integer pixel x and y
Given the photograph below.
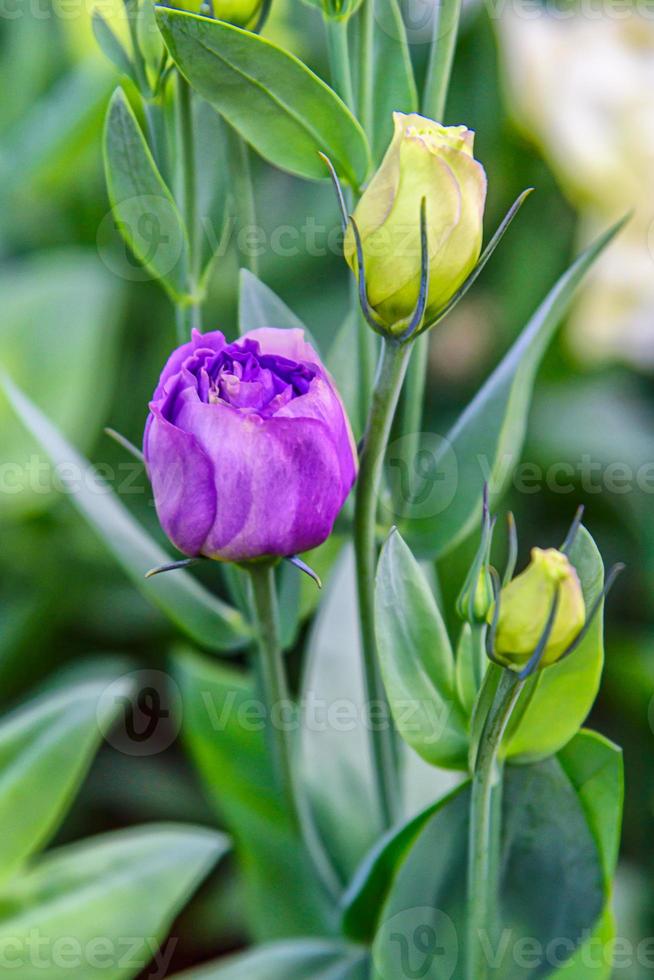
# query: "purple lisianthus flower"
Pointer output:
{"type": "Point", "coordinates": [248, 446]}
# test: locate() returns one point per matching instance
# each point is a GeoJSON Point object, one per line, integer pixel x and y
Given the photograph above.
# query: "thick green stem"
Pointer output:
{"type": "Point", "coordinates": [485, 828]}
{"type": "Point", "coordinates": [339, 59]}
{"type": "Point", "coordinates": [243, 192]}
{"type": "Point", "coordinates": [273, 678]}
{"type": "Point", "coordinates": [189, 314]}
{"type": "Point", "coordinates": [366, 64]}
{"type": "Point", "coordinates": [441, 59]}
{"type": "Point", "coordinates": [392, 370]}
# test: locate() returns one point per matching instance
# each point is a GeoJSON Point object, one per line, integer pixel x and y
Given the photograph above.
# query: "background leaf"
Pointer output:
{"type": "Point", "coordinates": [394, 82]}
{"type": "Point", "coordinates": [485, 443]}
{"type": "Point", "coordinates": [259, 306]}
{"type": "Point", "coordinates": [298, 959]}
{"type": "Point", "coordinates": [274, 101]}
{"type": "Point", "coordinates": [208, 620]}
{"type": "Point", "coordinates": [224, 732]}
{"type": "Point", "coordinates": [46, 748]}
{"type": "Point", "coordinates": [125, 887]}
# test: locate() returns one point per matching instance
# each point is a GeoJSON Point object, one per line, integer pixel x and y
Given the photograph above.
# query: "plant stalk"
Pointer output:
{"type": "Point", "coordinates": [485, 829]}
{"type": "Point", "coordinates": [339, 59]}
{"type": "Point", "coordinates": [189, 314]}
{"type": "Point", "coordinates": [366, 64]}
{"type": "Point", "coordinates": [243, 190]}
{"type": "Point", "coordinates": [391, 373]}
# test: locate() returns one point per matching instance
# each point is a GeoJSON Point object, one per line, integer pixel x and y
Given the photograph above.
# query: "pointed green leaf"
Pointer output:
{"type": "Point", "coordinates": [110, 45]}
{"type": "Point", "coordinates": [416, 659]}
{"type": "Point", "coordinates": [125, 887]}
{"type": "Point", "coordinates": [485, 443]}
{"type": "Point", "coordinates": [259, 306]}
{"type": "Point", "coordinates": [208, 620]}
{"type": "Point", "coordinates": [275, 102]}
{"type": "Point", "coordinates": [46, 748]}
{"type": "Point", "coordinates": [143, 207]}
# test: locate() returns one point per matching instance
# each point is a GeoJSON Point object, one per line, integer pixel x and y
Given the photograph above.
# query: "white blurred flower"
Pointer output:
{"type": "Point", "coordinates": [582, 89]}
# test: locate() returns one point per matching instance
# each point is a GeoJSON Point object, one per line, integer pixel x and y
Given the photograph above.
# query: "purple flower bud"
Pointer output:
{"type": "Point", "coordinates": [248, 446]}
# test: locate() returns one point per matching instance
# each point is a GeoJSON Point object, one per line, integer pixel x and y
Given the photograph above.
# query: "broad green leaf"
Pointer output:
{"type": "Point", "coordinates": [46, 748]}
{"type": "Point", "coordinates": [394, 82]}
{"type": "Point", "coordinates": [416, 659]}
{"type": "Point", "coordinates": [557, 700]}
{"type": "Point", "coordinates": [125, 887]}
{"type": "Point", "coordinates": [485, 443]}
{"type": "Point", "coordinates": [335, 759]}
{"type": "Point", "coordinates": [60, 312]}
{"type": "Point", "coordinates": [295, 959]}
{"type": "Point", "coordinates": [298, 595]}
{"type": "Point", "coordinates": [259, 307]}
{"type": "Point", "coordinates": [370, 886]}
{"type": "Point", "coordinates": [274, 101]}
{"type": "Point", "coordinates": [208, 620]}
{"type": "Point", "coordinates": [594, 960]}
{"type": "Point", "coordinates": [224, 725]}
{"type": "Point", "coordinates": [110, 45]}
{"type": "Point", "coordinates": [143, 207]}
{"type": "Point", "coordinates": [594, 767]}
{"type": "Point", "coordinates": [545, 839]}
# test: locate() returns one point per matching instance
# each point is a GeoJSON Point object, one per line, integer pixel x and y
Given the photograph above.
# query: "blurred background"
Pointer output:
{"type": "Point", "coordinates": [562, 99]}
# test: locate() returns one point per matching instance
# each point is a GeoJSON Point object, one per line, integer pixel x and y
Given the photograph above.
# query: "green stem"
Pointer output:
{"type": "Point", "coordinates": [366, 64]}
{"type": "Point", "coordinates": [392, 370]}
{"type": "Point", "coordinates": [339, 59]}
{"type": "Point", "coordinates": [189, 315]}
{"type": "Point", "coordinates": [273, 678]}
{"type": "Point", "coordinates": [280, 710]}
{"type": "Point", "coordinates": [243, 191]}
{"type": "Point", "coordinates": [437, 82]}
{"type": "Point", "coordinates": [441, 59]}
{"type": "Point", "coordinates": [485, 828]}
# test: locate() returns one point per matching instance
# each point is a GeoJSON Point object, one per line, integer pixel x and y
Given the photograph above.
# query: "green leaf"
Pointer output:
{"type": "Point", "coordinates": [373, 880]}
{"type": "Point", "coordinates": [334, 756]}
{"type": "Point", "coordinates": [110, 45]}
{"type": "Point", "coordinates": [545, 839]}
{"type": "Point", "coordinates": [343, 365]}
{"type": "Point", "coordinates": [46, 748]}
{"type": "Point", "coordinates": [224, 730]}
{"type": "Point", "coordinates": [208, 620]}
{"type": "Point", "coordinates": [394, 82]}
{"type": "Point", "coordinates": [274, 101]}
{"type": "Point", "coordinates": [126, 887]}
{"type": "Point", "coordinates": [143, 207]}
{"type": "Point", "coordinates": [416, 659]}
{"type": "Point", "coordinates": [60, 309]}
{"type": "Point", "coordinates": [259, 307]}
{"type": "Point", "coordinates": [295, 959]}
{"type": "Point", "coordinates": [485, 443]}
{"type": "Point", "coordinates": [557, 700]}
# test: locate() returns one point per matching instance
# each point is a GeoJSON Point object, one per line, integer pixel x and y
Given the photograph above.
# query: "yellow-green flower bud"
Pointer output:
{"type": "Point", "coordinates": [240, 13]}
{"type": "Point", "coordinates": [434, 162]}
{"type": "Point", "coordinates": [525, 606]}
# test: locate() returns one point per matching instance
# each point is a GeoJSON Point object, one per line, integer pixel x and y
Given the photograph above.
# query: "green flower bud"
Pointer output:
{"type": "Point", "coordinates": [240, 13]}
{"type": "Point", "coordinates": [525, 606]}
{"type": "Point", "coordinates": [434, 162]}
